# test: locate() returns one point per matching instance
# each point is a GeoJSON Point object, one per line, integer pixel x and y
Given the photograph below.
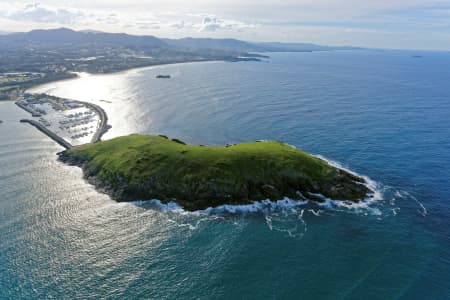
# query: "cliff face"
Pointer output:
{"type": "Point", "coordinates": [138, 167]}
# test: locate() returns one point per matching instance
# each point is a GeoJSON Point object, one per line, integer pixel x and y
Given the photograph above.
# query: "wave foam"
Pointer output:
{"type": "Point", "coordinates": [255, 207]}
{"type": "Point", "coordinates": [287, 216]}
{"type": "Point", "coordinates": [367, 206]}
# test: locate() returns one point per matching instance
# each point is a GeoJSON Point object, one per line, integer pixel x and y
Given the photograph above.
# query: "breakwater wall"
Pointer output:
{"type": "Point", "coordinates": [50, 134]}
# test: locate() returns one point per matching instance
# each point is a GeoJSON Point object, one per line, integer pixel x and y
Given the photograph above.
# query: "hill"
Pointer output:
{"type": "Point", "coordinates": [64, 37]}
{"type": "Point", "coordinates": [138, 167]}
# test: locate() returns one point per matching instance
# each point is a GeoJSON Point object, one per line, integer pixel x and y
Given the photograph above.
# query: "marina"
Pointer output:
{"type": "Point", "coordinates": [68, 122]}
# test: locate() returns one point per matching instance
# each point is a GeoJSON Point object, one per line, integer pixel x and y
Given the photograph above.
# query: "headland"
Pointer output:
{"type": "Point", "coordinates": [140, 167]}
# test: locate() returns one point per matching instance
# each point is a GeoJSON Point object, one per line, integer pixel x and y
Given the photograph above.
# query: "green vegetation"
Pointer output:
{"type": "Point", "coordinates": [145, 167]}
{"type": "Point", "coordinates": [9, 79]}
{"type": "Point", "coordinates": [11, 88]}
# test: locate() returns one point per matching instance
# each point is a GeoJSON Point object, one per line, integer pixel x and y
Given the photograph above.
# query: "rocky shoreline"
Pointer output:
{"type": "Point", "coordinates": [215, 190]}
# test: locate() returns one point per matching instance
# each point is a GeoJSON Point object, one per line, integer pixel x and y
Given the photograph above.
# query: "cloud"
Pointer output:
{"type": "Point", "coordinates": [38, 13]}
{"type": "Point", "coordinates": [168, 20]}
{"type": "Point", "coordinates": [108, 19]}
{"type": "Point", "coordinates": [379, 23]}
{"type": "Point", "coordinates": [147, 25]}
{"type": "Point", "coordinates": [180, 25]}
{"type": "Point", "coordinates": [211, 23]}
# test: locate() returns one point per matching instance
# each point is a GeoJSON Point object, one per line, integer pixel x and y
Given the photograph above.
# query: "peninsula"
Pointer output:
{"type": "Point", "coordinates": [138, 167]}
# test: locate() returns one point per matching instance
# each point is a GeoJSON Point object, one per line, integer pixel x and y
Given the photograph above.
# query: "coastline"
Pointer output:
{"type": "Point", "coordinates": [103, 127]}
{"type": "Point", "coordinates": [251, 206]}
{"type": "Point", "coordinates": [210, 176]}
{"type": "Point", "coordinates": [124, 71]}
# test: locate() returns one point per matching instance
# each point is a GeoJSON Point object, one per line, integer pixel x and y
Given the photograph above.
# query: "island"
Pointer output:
{"type": "Point", "coordinates": [143, 167]}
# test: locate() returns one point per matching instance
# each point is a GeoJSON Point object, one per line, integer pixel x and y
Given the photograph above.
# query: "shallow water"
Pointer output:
{"type": "Point", "coordinates": [383, 114]}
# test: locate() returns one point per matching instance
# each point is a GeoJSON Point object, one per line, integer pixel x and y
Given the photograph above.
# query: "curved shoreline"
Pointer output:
{"type": "Point", "coordinates": [80, 74]}
{"type": "Point", "coordinates": [103, 128]}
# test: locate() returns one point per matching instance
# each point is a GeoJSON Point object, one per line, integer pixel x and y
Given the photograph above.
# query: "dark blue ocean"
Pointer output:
{"type": "Point", "coordinates": [382, 114]}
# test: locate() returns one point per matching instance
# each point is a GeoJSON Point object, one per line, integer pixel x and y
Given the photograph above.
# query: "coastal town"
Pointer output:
{"type": "Point", "coordinates": [66, 121]}
{"type": "Point", "coordinates": [12, 84]}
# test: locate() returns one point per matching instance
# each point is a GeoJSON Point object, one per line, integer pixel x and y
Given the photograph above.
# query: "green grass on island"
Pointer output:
{"type": "Point", "coordinates": [138, 167]}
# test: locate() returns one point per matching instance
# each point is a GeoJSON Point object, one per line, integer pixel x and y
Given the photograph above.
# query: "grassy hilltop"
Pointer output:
{"type": "Point", "coordinates": [137, 167]}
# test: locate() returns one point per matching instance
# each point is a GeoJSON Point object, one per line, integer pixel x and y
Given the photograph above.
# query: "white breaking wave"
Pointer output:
{"type": "Point", "coordinates": [286, 216]}
{"type": "Point", "coordinates": [255, 207]}
{"type": "Point", "coordinates": [365, 206]}
{"type": "Point", "coordinates": [403, 194]}
{"type": "Point", "coordinates": [169, 206]}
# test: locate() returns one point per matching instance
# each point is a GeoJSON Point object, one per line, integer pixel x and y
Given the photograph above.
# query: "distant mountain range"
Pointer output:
{"type": "Point", "coordinates": [238, 45]}
{"type": "Point", "coordinates": [64, 37]}
{"type": "Point", "coordinates": [67, 38]}
{"type": "Point", "coordinates": [58, 52]}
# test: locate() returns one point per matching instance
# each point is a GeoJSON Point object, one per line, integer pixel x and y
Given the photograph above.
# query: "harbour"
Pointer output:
{"type": "Point", "coordinates": [67, 122]}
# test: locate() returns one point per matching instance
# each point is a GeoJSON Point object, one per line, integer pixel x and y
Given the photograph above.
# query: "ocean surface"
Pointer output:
{"type": "Point", "coordinates": [382, 114]}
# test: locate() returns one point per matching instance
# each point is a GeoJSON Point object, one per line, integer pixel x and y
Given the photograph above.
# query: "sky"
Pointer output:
{"type": "Point", "coordinates": [396, 24]}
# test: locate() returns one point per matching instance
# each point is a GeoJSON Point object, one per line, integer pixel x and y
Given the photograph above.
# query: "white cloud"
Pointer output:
{"type": "Point", "coordinates": [35, 12]}
{"type": "Point", "coordinates": [109, 19]}
{"type": "Point", "coordinates": [212, 23]}
{"type": "Point", "coordinates": [38, 13]}
{"type": "Point", "coordinates": [379, 23]}
{"type": "Point", "coordinates": [180, 25]}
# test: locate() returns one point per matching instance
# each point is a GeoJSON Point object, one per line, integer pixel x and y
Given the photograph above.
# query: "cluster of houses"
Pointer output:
{"type": "Point", "coordinates": [35, 104]}
{"type": "Point", "coordinates": [18, 77]}
{"type": "Point", "coordinates": [12, 84]}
